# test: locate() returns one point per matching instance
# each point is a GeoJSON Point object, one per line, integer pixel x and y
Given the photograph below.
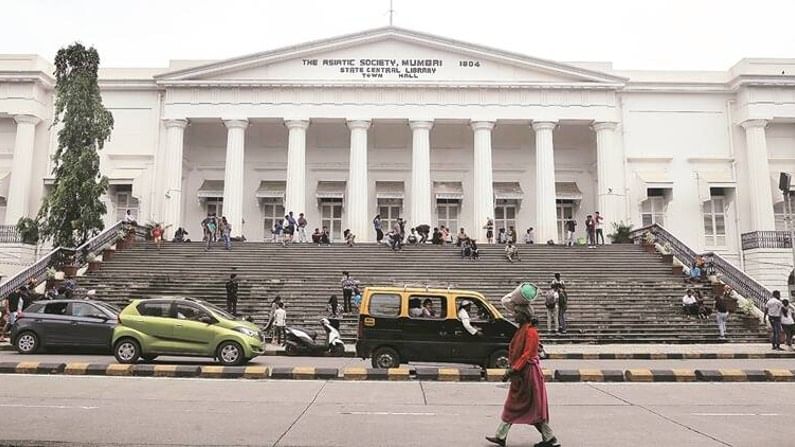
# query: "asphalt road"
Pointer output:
{"type": "Point", "coordinates": [327, 362]}
{"type": "Point", "coordinates": [85, 410]}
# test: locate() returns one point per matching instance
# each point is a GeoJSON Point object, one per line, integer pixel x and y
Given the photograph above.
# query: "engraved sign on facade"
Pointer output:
{"type": "Point", "coordinates": [387, 68]}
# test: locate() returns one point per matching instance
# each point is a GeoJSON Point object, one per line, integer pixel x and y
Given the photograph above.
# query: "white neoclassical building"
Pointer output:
{"type": "Point", "coordinates": [434, 130]}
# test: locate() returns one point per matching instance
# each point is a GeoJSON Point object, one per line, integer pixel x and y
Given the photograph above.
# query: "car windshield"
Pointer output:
{"type": "Point", "coordinates": [218, 311]}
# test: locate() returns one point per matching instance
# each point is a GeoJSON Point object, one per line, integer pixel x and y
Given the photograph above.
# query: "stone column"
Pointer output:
{"type": "Point", "coordinates": [761, 194]}
{"type": "Point", "coordinates": [611, 180]}
{"type": "Point", "coordinates": [420, 173]}
{"type": "Point", "coordinates": [19, 183]}
{"type": "Point", "coordinates": [483, 202]}
{"type": "Point", "coordinates": [234, 173]}
{"type": "Point", "coordinates": [295, 195]}
{"type": "Point", "coordinates": [546, 209]}
{"type": "Point", "coordinates": [172, 204]}
{"type": "Point", "coordinates": [357, 199]}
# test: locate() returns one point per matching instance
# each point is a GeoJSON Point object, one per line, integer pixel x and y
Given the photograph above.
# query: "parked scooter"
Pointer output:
{"type": "Point", "coordinates": [302, 341]}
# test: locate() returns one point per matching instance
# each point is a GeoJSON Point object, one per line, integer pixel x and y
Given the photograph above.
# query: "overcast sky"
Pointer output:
{"type": "Point", "coordinates": [633, 34]}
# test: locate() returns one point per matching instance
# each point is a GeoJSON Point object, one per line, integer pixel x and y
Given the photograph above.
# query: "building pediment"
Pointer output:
{"type": "Point", "coordinates": [390, 56]}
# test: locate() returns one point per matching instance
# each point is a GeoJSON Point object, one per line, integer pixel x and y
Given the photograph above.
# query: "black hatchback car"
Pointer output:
{"type": "Point", "coordinates": [83, 324]}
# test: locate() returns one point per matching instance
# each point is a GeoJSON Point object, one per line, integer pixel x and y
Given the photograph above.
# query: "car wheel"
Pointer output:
{"type": "Point", "coordinates": [148, 357]}
{"type": "Point", "coordinates": [230, 353]}
{"type": "Point", "coordinates": [499, 359]}
{"type": "Point", "coordinates": [126, 350]}
{"type": "Point", "coordinates": [337, 350]}
{"type": "Point", "coordinates": [27, 343]}
{"type": "Point", "coordinates": [385, 358]}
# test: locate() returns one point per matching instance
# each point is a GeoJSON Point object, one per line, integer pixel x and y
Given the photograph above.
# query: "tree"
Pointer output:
{"type": "Point", "coordinates": [72, 212]}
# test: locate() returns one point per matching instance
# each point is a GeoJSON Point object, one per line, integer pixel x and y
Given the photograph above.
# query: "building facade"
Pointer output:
{"type": "Point", "coordinates": [437, 131]}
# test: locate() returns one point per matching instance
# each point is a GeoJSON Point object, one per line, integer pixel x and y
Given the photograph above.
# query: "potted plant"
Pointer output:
{"type": "Point", "coordinates": [121, 240]}
{"type": "Point", "coordinates": [94, 264]}
{"type": "Point", "coordinates": [69, 269]}
{"type": "Point", "coordinates": [107, 253]}
{"type": "Point", "coordinates": [622, 233]}
{"type": "Point", "coordinates": [28, 230]}
{"type": "Point", "coordinates": [52, 279]}
{"type": "Point", "coordinates": [667, 253]}
{"type": "Point", "coordinates": [648, 242]}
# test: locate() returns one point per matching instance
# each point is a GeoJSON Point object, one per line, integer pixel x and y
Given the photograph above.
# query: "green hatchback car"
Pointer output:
{"type": "Point", "coordinates": [184, 327]}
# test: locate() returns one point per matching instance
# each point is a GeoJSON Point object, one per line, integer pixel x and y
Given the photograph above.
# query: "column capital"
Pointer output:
{"type": "Point", "coordinates": [482, 125]}
{"type": "Point", "coordinates": [420, 124]}
{"type": "Point", "coordinates": [358, 124]}
{"type": "Point", "coordinates": [296, 124]}
{"type": "Point", "coordinates": [175, 122]}
{"type": "Point", "coordinates": [27, 119]}
{"type": "Point", "coordinates": [543, 125]}
{"type": "Point", "coordinates": [604, 125]}
{"type": "Point", "coordinates": [236, 123]}
{"type": "Point", "coordinates": [748, 124]}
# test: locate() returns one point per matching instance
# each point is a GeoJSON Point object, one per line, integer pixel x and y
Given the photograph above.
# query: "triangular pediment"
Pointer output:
{"type": "Point", "coordinates": [389, 55]}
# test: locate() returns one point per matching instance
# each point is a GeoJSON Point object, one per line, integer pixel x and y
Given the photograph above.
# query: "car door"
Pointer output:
{"type": "Point", "coordinates": [90, 325]}
{"type": "Point", "coordinates": [469, 348]}
{"type": "Point", "coordinates": [53, 323]}
{"type": "Point", "coordinates": [156, 321]}
{"type": "Point", "coordinates": [426, 333]}
{"type": "Point", "coordinates": [192, 335]}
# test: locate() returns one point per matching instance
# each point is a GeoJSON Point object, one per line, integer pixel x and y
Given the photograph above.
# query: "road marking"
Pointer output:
{"type": "Point", "coordinates": [735, 414]}
{"type": "Point", "coordinates": [388, 413]}
{"type": "Point", "coordinates": [54, 407]}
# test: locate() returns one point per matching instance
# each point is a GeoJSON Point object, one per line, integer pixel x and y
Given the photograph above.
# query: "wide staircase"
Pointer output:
{"type": "Point", "coordinates": [617, 293]}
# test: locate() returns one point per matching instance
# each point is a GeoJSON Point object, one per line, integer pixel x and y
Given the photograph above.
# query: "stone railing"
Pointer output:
{"type": "Point", "coordinates": [766, 239]}
{"type": "Point", "coordinates": [715, 264]}
{"type": "Point", "coordinates": [38, 270]}
{"type": "Point", "coordinates": [9, 234]}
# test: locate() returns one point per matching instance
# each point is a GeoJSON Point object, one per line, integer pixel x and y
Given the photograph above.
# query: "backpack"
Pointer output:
{"type": "Point", "coordinates": [549, 301]}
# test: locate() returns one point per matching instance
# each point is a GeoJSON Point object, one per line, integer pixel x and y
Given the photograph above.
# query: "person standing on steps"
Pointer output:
{"type": "Point", "coordinates": [773, 308]}
{"type": "Point", "coordinates": [722, 312]}
{"type": "Point", "coordinates": [279, 322]}
{"type": "Point", "coordinates": [212, 227]}
{"type": "Point", "coordinates": [334, 311]}
{"type": "Point", "coordinates": [226, 233]}
{"type": "Point", "coordinates": [157, 235]}
{"type": "Point", "coordinates": [599, 223]}
{"type": "Point", "coordinates": [559, 286]}
{"type": "Point", "coordinates": [590, 231]}
{"type": "Point", "coordinates": [489, 227]}
{"type": "Point", "coordinates": [348, 285]}
{"type": "Point", "coordinates": [527, 396]}
{"type": "Point", "coordinates": [302, 223]}
{"type": "Point", "coordinates": [571, 226]}
{"type": "Point", "coordinates": [274, 305]}
{"type": "Point", "coordinates": [529, 236]}
{"type": "Point", "coordinates": [787, 322]}
{"type": "Point", "coordinates": [231, 294]}
{"type": "Point", "coordinates": [551, 301]}
{"type": "Point", "coordinates": [379, 232]}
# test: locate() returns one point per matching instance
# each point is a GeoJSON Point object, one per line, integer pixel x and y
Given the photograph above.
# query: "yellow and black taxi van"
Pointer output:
{"type": "Point", "coordinates": [402, 324]}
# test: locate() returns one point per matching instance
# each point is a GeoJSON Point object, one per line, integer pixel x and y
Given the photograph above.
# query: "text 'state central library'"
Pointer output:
{"type": "Point", "coordinates": [434, 130]}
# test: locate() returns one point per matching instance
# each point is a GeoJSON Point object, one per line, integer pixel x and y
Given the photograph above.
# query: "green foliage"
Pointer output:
{"type": "Point", "coordinates": [621, 233]}
{"type": "Point", "coordinates": [28, 230]}
{"type": "Point", "coordinates": [72, 212]}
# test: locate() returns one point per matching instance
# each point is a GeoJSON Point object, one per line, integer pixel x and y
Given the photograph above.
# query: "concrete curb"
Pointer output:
{"type": "Point", "coordinates": [636, 375]}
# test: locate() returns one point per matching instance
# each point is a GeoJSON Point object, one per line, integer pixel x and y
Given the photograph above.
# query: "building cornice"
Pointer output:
{"type": "Point", "coordinates": [36, 77]}
{"type": "Point", "coordinates": [370, 84]}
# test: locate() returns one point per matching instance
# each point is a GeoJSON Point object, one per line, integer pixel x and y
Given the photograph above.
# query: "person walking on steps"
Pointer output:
{"type": "Point", "coordinates": [773, 308]}
{"type": "Point", "coordinates": [722, 312]}
{"type": "Point", "coordinates": [527, 396]}
{"type": "Point", "coordinates": [302, 223]}
{"type": "Point", "coordinates": [788, 322]}
{"type": "Point", "coordinates": [231, 294]}
{"type": "Point", "coordinates": [226, 233]}
{"type": "Point", "coordinates": [598, 223]}
{"type": "Point", "coordinates": [348, 284]}
{"type": "Point", "coordinates": [379, 232]}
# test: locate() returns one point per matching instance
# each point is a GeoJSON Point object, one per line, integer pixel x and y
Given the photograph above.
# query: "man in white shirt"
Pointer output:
{"type": "Point", "coordinates": [279, 322]}
{"type": "Point", "coordinates": [773, 308]}
{"type": "Point", "coordinates": [463, 315]}
{"type": "Point", "coordinates": [689, 303]}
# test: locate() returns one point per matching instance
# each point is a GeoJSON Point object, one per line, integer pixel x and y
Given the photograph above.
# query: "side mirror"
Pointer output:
{"type": "Point", "coordinates": [206, 319]}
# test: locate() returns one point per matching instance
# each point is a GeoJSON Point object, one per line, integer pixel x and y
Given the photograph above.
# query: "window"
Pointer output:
{"type": "Point", "coordinates": [504, 215]}
{"type": "Point", "coordinates": [714, 211]}
{"type": "Point", "coordinates": [479, 312]}
{"type": "Point", "coordinates": [780, 212]}
{"type": "Point", "coordinates": [331, 218]}
{"type": "Point", "coordinates": [447, 213]}
{"type": "Point", "coordinates": [389, 209]}
{"type": "Point", "coordinates": [86, 310]}
{"type": "Point", "coordinates": [55, 308]}
{"type": "Point", "coordinates": [155, 309]}
{"type": "Point", "coordinates": [215, 206]}
{"type": "Point", "coordinates": [125, 201]}
{"type": "Point", "coordinates": [652, 210]}
{"type": "Point", "coordinates": [426, 306]}
{"type": "Point", "coordinates": [272, 211]}
{"type": "Point", "coordinates": [185, 311]}
{"type": "Point", "coordinates": [383, 305]}
{"type": "Point", "coordinates": [565, 213]}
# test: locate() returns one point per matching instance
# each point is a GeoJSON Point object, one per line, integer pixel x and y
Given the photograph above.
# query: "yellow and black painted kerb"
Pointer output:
{"type": "Point", "coordinates": [589, 375]}
{"type": "Point", "coordinates": [660, 375]}
{"type": "Point", "coordinates": [166, 370]}
{"type": "Point", "coordinates": [32, 368]}
{"type": "Point", "coordinates": [731, 375]}
{"type": "Point", "coordinates": [304, 373]}
{"type": "Point", "coordinates": [234, 372]}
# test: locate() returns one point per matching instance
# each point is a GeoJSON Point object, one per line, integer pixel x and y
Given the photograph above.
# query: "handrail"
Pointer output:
{"type": "Point", "coordinates": [38, 270]}
{"type": "Point", "coordinates": [766, 239]}
{"type": "Point", "coordinates": [714, 262]}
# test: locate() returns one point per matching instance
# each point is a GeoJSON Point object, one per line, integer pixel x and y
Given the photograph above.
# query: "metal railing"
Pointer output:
{"type": "Point", "coordinates": [38, 270]}
{"type": "Point", "coordinates": [766, 239]}
{"type": "Point", "coordinates": [9, 234]}
{"type": "Point", "coordinates": [714, 262]}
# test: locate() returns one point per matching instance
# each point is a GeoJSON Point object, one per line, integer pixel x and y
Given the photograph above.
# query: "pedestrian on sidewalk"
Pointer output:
{"type": "Point", "coordinates": [302, 223]}
{"type": "Point", "coordinates": [226, 233]}
{"type": "Point", "coordinates": [773, 308]}
{"type": "Point", "coordinates": [722, 312]}
{"type": "Point", "coordinates": [788, 321]}
{"type": "Point", "coordinates": [279, 322]}
{"type": "Point", "coordinates": [527, 396]}
{"type": "Point", "coordinates": [379, 232]}
{"type": "Point", "coordinates": [334, 311]}
{"type": "Point", "coordinates": [348, 285]}
{"type": "Point", "coordinates": [551, 301]}
{"type": "Point", "coordinates": [231, 294]}
{"type": "Point", "coordinates": [598, 224]}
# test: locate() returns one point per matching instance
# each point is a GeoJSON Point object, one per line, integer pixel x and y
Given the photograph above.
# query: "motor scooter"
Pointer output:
{"type": "Point", "coordinates": [303, 341]}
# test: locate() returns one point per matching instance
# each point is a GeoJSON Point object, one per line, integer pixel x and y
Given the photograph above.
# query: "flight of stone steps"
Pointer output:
{"type": "Point", "coordinates": [617, 293]}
